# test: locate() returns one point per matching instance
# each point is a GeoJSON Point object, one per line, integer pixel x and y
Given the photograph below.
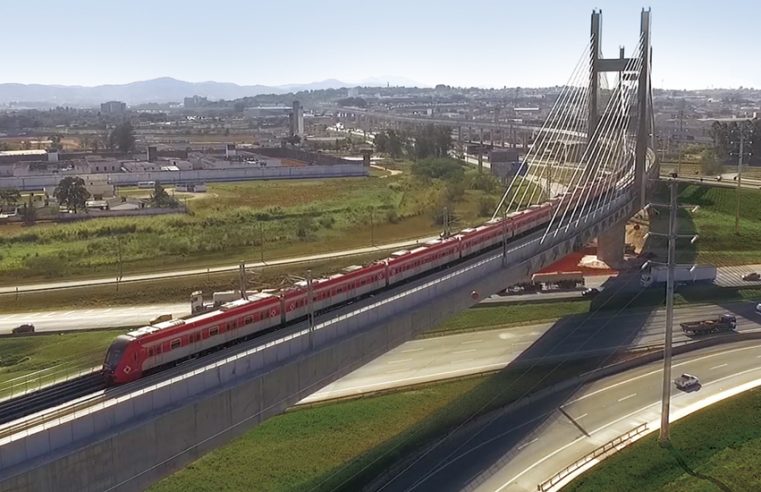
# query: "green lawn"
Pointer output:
{"type": "Point", "coordinates": [288, 452]}
{"type": "Point", "coordinates": [486, 317]}
{"type": "Point", "coordinates": [31, 360]}
{"type": "Point", "coordinates": [705, 456]}
{"type": "Point", "coordinates": [169, 289]}
{"type": "Point", "coordinates": [714, 222]}
{"type": "Point", "coordinates": [240, 221]}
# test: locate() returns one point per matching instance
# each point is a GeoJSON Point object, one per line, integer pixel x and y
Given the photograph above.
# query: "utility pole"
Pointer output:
{"type": "Point", "coordinates": [664, 437]}
{"type": "Point", "coordinates": [310, 301]}
{"type": "Point", "coordinates": [372, 227]}
{"type": "Point", "coordinates": [446, 222]}
{"type": "Point", "coordinates": [739, 181]}
{"type": "Point", "coordinates": [261, 241]}
{"type": "Point", "coordinates": [119, 268]}
{"type": "Point", "coordinates": [242, 280]}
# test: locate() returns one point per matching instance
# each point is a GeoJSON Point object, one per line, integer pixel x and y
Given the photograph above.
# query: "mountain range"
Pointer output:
{"type": "Point", "coordinates": [163, 90]}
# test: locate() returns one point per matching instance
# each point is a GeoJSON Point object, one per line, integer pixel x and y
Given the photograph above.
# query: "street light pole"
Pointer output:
{"type": "Point", "coordinates": [739, 182]}
{"type": "Point", "coordinates": [372, 228]}
{"type": "Point", "coordinates": [664, 436]}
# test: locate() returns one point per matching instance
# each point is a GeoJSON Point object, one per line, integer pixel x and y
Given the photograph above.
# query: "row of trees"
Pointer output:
{"type": "Point", "coordinates": [424, 142]}
{"type": "Point", "coordinates": [72, 193]}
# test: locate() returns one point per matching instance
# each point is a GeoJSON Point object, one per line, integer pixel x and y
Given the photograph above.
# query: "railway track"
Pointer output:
{"type": "Point", "coordinates": [16, 408]}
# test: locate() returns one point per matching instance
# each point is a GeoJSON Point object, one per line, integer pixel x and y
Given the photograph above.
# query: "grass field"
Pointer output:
{"type": "Point", "coordinates": [242, 221]}
{"type": "Point", "coordinates": [287, 452]}
{"type": "Point", "coordinates": [43, 358]}
{"type": "Point", "coordinates": [506, 316]}
{"type": "Point", "coordinates": [169, 289]}
{"type": "Point", "coordinates": [718, 448]}
{"type": "Point", "coordinates": [714, 222]}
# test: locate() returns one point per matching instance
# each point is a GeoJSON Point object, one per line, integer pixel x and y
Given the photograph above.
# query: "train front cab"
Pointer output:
{"type": "Point", "coordinates": [116, 367]}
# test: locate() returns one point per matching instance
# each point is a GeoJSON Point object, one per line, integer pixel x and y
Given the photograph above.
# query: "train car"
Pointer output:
{"type": "Point", "coordinates": [353, 282]}
{"type": "Point", "coordinates": [146, 348]}
{"type": "Point", "coordinates": [406, 264]}
{"type": "Point", "coordinates": [474, 240]}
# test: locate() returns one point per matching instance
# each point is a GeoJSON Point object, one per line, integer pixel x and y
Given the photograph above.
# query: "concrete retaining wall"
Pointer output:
{"type": "Point", "coordinates": [158, 427]}
{"type": "Point", "coordinates": [202, 176]}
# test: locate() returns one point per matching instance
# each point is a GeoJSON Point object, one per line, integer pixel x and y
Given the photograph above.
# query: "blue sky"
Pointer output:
{"type": "Point", "coordinates": [488, 43]}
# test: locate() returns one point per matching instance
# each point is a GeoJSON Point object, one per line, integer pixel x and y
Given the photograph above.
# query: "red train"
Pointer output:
{"type": "Point", "coordinates": [131, 355]}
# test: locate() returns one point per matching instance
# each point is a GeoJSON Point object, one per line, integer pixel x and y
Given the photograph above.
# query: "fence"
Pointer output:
{"type": "Point", "coordinates": [604, 449]}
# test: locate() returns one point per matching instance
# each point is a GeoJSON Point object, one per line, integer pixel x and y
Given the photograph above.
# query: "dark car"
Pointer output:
{"type": "Point", "coordinates": [590, 292]}
{"type": "Point", "coordinates": [25, 328]}
{"type": "Point", "coordinates": [752, 276]}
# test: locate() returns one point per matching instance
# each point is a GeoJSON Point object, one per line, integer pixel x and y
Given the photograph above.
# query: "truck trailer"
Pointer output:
{"type": "Point", "coordinates": [725, 322]}
{"type": "Point", "coordinates": [657, 275]}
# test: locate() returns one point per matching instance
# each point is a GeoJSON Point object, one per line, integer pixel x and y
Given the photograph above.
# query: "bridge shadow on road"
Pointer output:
{"type": "Point", "coordinates": [473, 435]}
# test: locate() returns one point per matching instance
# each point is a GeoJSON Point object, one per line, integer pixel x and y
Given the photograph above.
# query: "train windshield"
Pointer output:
{"type": "Point", "coordinates": [115, 351]}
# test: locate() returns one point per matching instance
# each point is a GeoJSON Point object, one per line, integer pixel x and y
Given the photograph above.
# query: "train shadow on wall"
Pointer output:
{"type": "Point", "coordinates": [474, 435]}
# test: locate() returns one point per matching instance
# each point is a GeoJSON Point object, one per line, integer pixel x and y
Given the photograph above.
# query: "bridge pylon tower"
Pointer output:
{"type": "Point", "coordinates": [610, 245]}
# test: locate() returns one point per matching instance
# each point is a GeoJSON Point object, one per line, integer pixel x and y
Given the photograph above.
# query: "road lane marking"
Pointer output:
{"type": "Point", "coordinates": [627, 397]}
{"type": "Point", "coordinates": [581, 416]}
{"type": "Point", "coordinates": [464, 351]}
{"type": "Point", "coordinates": [412, 350]}
{"type": "Point", "coordinates": [527, 443]}
{"type": "Point", "coordinates": [399, 361]}
{"type": "Point", "coordinates": [605, 426]}
{"type": "Point", "coordinates": [719, 366]}
{"type": "Point", "coordinates": [627, 381]}
{"type": "Point", "coordinates": [472, 341]}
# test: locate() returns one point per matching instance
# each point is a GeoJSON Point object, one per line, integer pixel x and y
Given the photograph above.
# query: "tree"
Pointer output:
{"type": "Point", "coordinates": [122, 137]}
{"type": "Point", "coordinates": [381, 142]}
{"type": "Point", "coordinates": [160, 198]}
{"type": "Point", "coordinates": [9, 196]}
{"type": "Point", "coordinates": [29, 213]}
{"type": "Point", "coordinates": [72, 193]}
{"type": "Point", "coordinates": [55, 142]}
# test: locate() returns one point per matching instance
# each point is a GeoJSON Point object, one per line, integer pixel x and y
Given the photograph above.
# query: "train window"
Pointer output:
{"type": "Point", "coordinates": [213, 330]}
{"type": "Point", "coordinates": [174, 344]}
{"type": "Point", "coordinates": [230, 326]}
{"type": "Point", "coordinates": [249, 320]}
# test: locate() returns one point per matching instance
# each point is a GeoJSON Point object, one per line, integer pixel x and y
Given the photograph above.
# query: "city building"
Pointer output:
{"type": "Point", "coordinates": [113, 107]}
{"type": "Point", "coordinates": [195, 102]}
{"type": "Point", "coordinates": [297, 119]}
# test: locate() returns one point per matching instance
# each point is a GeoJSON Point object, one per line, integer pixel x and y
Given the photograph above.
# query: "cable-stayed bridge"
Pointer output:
{"type": "Point", "coordinates": [590, 165]}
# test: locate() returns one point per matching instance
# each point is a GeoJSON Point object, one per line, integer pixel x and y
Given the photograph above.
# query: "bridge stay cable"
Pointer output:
{"type": "Point", "coordinates": [554, 109]}
{"type": "Point", "coordinates": [589, 172]}
{"type": "Point", "coordinates": [568, 129]}
{"type": "Point", "coordinates": [546, 142]}
{"type": "Point", "coordinates": [609, 158]}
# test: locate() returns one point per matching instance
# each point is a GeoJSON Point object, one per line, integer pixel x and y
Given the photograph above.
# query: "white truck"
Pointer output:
{"type": "Point", "coordinates": [682, 273]}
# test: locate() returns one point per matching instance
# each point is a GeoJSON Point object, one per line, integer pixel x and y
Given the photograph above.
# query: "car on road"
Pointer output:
{"type": "Point", "coordinates": [590, 292]}
{"type": "Point", "coordinates": [718, 178]}
{"type": "Point", "coordinates": [686, 381]}
{"type": "Point", "coordinates": [758, 308]}
{"type": "Point", "coordinates": [752, 276]}
{"type": "Point", "coordinates": [25, 328]}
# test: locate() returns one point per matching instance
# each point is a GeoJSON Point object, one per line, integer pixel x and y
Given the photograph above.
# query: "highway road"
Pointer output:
{"type": "Point", "coordinates": [515, 451]}
{"type": "Point", "coordinates": [84, 319]}
{"type": "Point", "coordinates": [117, 316]}
{"type": "Point", "coordinates": [440, 358]}
{"type": "Point", "coordinates": [9, 289]}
